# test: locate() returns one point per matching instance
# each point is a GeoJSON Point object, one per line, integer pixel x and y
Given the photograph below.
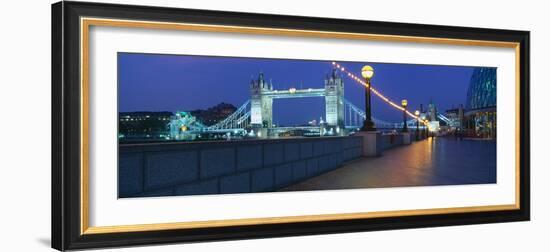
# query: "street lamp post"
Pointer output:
{"type": "Point", "coordinates": [417, 114]}
{"type": "Point", "coordinates": [425, 126]}
{"type": "Point", "coordinates": [368, 125]}
{"type": "Point", "coordinates": [404, 104]}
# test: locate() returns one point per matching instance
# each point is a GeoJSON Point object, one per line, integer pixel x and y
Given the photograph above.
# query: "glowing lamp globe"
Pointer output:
{"type": "Point", "coordinates": [417, 113]}
{"type": "Point", "coordinates": [367, 72]}
{"type": "Point", "coordinates": [404, 103]}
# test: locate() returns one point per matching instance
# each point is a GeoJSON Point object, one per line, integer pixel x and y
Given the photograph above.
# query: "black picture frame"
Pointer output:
{"type": "Point", "coordinates": [66, 125]}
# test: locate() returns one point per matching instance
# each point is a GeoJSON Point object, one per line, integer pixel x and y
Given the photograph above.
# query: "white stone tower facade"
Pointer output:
{"type": "Point", "coordinates": [261, 112]}
{"type": "Point", "coordinates": [334, 99]}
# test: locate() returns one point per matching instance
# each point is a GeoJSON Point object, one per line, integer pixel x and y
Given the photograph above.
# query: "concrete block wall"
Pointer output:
{"type": "Point", "coordinates": [164, 169]}
{"type": "Point", "coordinates": [391, 140]}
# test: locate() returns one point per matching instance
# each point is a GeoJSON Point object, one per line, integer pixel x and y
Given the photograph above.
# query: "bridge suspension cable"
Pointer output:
{"type": "Point", "coordinates": [444, 118]}
{"type": "Point", "coordinates": [357, 115]}
{"type": "Point", "coordinates": [239, 119]}
{"type": "Point", "coordinates": [376, 92]}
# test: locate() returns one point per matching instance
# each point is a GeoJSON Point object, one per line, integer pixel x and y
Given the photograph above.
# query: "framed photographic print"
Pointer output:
{"type": "Point", "coordinates": [178, 125]}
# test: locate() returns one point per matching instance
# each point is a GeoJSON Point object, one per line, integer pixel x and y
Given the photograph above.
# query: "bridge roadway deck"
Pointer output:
{"type": "Point", "coordinates": [435, 161]}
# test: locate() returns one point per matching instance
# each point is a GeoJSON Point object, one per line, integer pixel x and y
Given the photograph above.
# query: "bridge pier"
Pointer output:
{"type": "Point", "coordinates": [260, 132]}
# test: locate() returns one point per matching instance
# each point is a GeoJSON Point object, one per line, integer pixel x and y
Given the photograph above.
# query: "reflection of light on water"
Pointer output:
{"type": "Point", "coordinates": [430, 145]}
{"type": "Point", "coordinates": [421, 160]}
{"type": "Point", "coordinates": [430, 151]}
{"type": "Point", "coordinates": [423, 163]}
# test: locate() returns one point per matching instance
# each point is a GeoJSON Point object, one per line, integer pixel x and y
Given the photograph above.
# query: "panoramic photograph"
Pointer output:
{"type": "Point", "coordinates": [199, 125]}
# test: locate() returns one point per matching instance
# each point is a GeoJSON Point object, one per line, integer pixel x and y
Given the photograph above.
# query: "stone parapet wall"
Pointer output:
{"type": "Point", "coordinates": [164, 169]}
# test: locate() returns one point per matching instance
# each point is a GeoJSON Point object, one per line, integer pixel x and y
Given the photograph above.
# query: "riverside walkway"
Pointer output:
{"type": "Point", "coordinates": [434, 161]}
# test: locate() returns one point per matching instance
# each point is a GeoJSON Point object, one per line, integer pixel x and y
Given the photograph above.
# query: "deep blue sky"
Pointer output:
{"type": "Point", "coordinates": [153, 82]}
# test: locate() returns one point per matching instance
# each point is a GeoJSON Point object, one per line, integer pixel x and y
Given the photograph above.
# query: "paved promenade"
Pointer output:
{"type": "Point", "coordinates": [435, 161]}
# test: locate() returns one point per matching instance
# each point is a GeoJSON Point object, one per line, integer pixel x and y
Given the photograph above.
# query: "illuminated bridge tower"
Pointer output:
{"type": "Point", "coordinates": [261, 112]}
{"type": "Point", "coordinates": [432, 112]}
{"type": "Point", "coordinates": [334, 102]}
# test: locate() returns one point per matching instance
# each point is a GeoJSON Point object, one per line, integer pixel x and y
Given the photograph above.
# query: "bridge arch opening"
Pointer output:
{"type": "Point", "coordinates": [298, 112]}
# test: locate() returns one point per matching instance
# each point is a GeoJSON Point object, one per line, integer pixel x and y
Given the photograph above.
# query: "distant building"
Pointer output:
{"type": "Point", "coordinates": [297, 133]}
{"type": "Point", "coordinates": [312, 123]}
{"type": "Point", "coordinates": [480, 115]}
{"type": "Point", "coordinates": [143, 125]}
{"type": "Point", "coordinates": [455, 116]}
{"type": "Point", "coordinates": [214, 114]}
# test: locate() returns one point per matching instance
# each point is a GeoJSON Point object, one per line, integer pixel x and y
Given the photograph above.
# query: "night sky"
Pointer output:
{"type": "Point", "coordinates": [153, 82]}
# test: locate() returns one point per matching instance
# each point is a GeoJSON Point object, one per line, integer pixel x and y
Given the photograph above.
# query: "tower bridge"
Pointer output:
{"type": "Point", "coordinates": [262, 95]}
{"type": "Point", "coordinates": [254, 118]}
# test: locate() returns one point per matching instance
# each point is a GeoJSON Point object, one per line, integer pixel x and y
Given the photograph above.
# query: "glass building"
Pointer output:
{"type": "Point", "coordinates": [481, 104]}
